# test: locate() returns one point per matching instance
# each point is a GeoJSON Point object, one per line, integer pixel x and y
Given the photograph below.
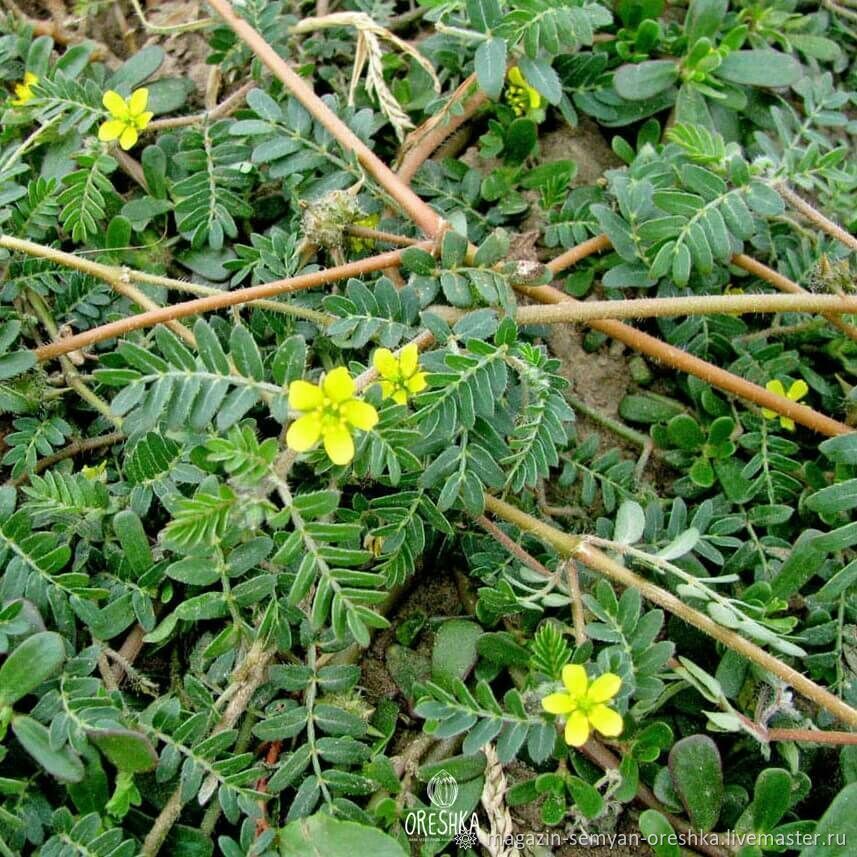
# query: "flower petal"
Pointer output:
{"type": "Point", "coordinates": [303, 433]}
{"type": "Point", "coordinates": [604, 687]}
{"type": "Point", "coordinates": [24, 95]}
{"type": "Point", "coordinates": [409, 357]}
{"type": "Point", "coordinates": [129, 138]}
{"type": "Point", "coordinates": [558, 703]}
{"type": "Point", "coordinates": [339, 444]}
{"type": "Point", "coordinates": [516, 76]}
{"type": "Point", "coordinates": [115, 103]}
{"type": "Point", "coordinates": [338, 385]}
{"type": "Point", "coordinates": [400, 397]}
{"type": "Point", "coordinates": [387, 389]}
{"type": "Point", "coordinates": [575, 679]}
{"type": "Point", "coordinates": [535, 98]}
{"type": "Point", "coordinates": [798, 390]}
{"type": "Point", "coordinates": [417, 382]}
{"type": "Point", "coordinates": [360, 414]}
{"type": "Point", "coordinates": [304, 396]}
{"type": "Point", "coordinates": [606, 720]}
{"type": "Point", "coordinates": [30, 79]}
{"type": "Point", "coordinates": [385, 362]}
{"type": "Point", "coordinates": [138, 101]}
{"type": "Point", "coordinates": [576, 729]}
{"type": "Point", "coordinates": [776, 387]}
{"type": "Point", "coordinates": [110, 130]}
{"type": "Point", "coordinates": [143, 120]}
{"type": "Point", "coordinates": [787, 423]}
{"type": "Point", "coordinates": [768, 414]}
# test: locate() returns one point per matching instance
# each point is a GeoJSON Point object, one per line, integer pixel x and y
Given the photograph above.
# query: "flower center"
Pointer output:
{"type": "Point", "coordinates": [330, 413]}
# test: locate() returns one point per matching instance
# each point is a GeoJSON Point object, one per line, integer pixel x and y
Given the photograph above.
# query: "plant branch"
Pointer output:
{"type": "Point", "coordinates": [784, 284]}
{"type": "Point", "coordinates": [226, 108]}
{"type": "Point", "coordinates": [678, 359]}
{"type": "Point", "coordinates": [217, 301]}
{"type": "Point", "coordinates": [380, 236]}
{"type": "Point", "coordinates": [245, 682]}
{"type": "Point", "coordinates": [531, 562]}
{"type": "Point", "coordinates": [432, 224]}
{"type": "Point", "coordinates": [684, 306]}
{"type": "Point", "coordinates": [85, 444]}
{"type": "Point", "coordinates": [580, 251]}
{"type": "Point", "coordinates": [72, 376]}
{"type": "Point", "coordinates": [798, 203]}
{"type": "Point", "coordinates": [810, 736]}
{"type": "Point", "coordinates": [423, 141]}
{"type": "Point", "coordinates": [579, 548]}
{"type": "Point", "coordinates": [420, 212]}
{"type": "Point", "coordinates": [171, 29]}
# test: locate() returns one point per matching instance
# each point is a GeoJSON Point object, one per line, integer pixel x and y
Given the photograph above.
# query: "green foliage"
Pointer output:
{"type": "Point", "coordinates": [195, 615]}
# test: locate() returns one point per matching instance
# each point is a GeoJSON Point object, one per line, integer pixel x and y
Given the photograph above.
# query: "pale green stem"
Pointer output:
{"type": "Point", "coordinates": [72, 376]}
{"type": "Point", "coordinates": [579, 548]}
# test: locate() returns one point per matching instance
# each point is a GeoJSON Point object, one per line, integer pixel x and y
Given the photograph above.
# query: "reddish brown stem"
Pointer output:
{"type": "Point", "coordinates": [577, 547]}
{"type": "Point", "coordinates": [432, 224]}
{"type": "Point", "coordinates": [512, 546]}
{"type": "Point", "coordinates": [422, 214]}
{"type": "Point", "coordinates": [784, 284]}
{"type": "Point", "coordinates": [85, 444]}
{"type": "Point", "coordinates": [428, 137]}
{"type": "Point", "coordinates": [814, 216]}
{"type": "Point", "coordinates": [130, 649]}
{"type": "Point", "coordinates": [271, 758]}
{"type": "Point", "coordinates": [811, 736]}
{"type": "Point", "coordinates": [215, 302]}
{"type": "Point", "coordinates": [226, 107]}
{"type": "Point", "coordinates": [578, 252]}
{"type": "Point", "coordinates": [678, 359]}
{"type": "Point", "coordinates": [380, 236]}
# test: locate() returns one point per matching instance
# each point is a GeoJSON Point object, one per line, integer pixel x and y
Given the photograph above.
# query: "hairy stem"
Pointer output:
{"type": "Point", "coordinates": [226, 107]}
{"type": "Point", "coordinates": [72, 376]}
{"type": "Point", "coordinates": [217, 301]}
{"type": "Point", "coordinates": [246, 681]}
{"type": "Point", "coordinates": [433, 224]}
{"type": "Point", "coordinates": [686, 306]}
{"type": "Point", "coordinates": [678, 359]}
{"type": "Point", "coordinates": [420, 212]}
{"type": "Point", "coordinates": [423, 141]}
{"type": "Point", "coordinates": [578, 548]}
{"type": "Point", "coordinates": [74, 448]}
{"type": "Point", "coordinates": [812, 736]}
{"type": "Point", "coordinates": [798, 203]}
{"type": "Point", "coordinates": [380, 236]}
{"type": "Point", "coordinates": [580, 251]}
{"type": "Point", "coordinates": [784, 284]}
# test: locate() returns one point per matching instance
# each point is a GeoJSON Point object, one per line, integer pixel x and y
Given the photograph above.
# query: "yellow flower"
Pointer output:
{"type": "Point", "coordinates": [358, 245]}
{"type": "Point", "coordinates": [98, 473]}
{"type": "Point", "coordinates": [796, 392]}
{"type": "Point", "coordinates": [520, 96]}
{"type": "Point", "coordinates": [330, 412]}
{"type": "Point", "coordinates": [24, 89]}
{"type": "Point", "coordinates": [400, 376]}
{"type": "Point", "coordinates": [585, 704]}
{"type": "Point", "coordinates": [128, 117]}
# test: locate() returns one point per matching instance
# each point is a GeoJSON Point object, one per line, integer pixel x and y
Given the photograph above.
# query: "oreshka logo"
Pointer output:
{"type": "Point", "coordinates": [442, 789]}
{"type": "Point", "coordinates": [440, 821]}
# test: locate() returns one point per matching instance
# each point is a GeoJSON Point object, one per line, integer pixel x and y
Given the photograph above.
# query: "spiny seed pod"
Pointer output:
{"type": "Point", "coordinates": [324, 221]}
{"type": "Point", "coordinates": [524, 272]}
